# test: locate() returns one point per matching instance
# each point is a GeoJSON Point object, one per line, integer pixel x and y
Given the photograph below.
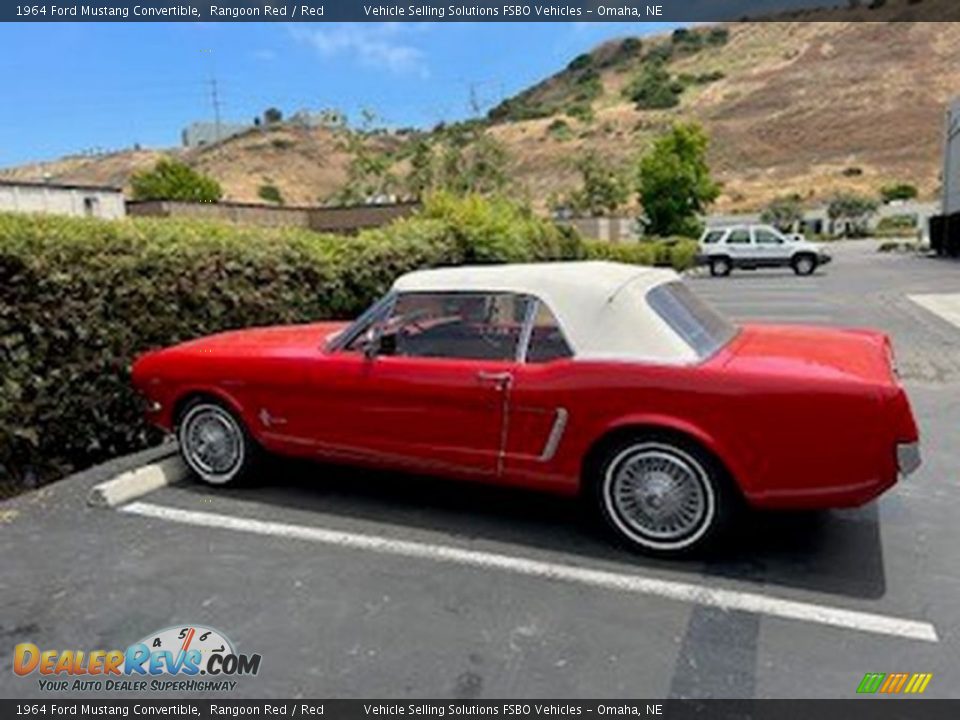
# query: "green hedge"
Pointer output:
{"type": "Point", "coordinates": [79, 299]}
{"type": "Point", "coordinates": [678, 253]}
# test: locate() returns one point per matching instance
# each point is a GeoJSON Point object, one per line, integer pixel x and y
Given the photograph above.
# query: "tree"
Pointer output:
{"type": "Point", "coordinates": [421, 176]}
{"type": "Point", "coordinates": [851, 212]}
{"type": "Point", "coordinates": [783, 212]}
{"type": "Point", "coordinates": [674, 183]}
{"type": "Point", "coordinates": [604, 187]}
{"type": "Point", "coordinates": [174, 180]}
{"type": "Point", "coordinates": [369, 173]}
{"type": "Point", "coordinates": [272, 115]}
{"type": "Point", "coordinates": [473, 162]}
{"type": "Point", "coordinates": [898, 191]}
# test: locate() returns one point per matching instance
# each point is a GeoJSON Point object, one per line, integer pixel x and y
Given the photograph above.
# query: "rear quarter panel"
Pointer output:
{"type": "Point", "coordinates": [789, 441]}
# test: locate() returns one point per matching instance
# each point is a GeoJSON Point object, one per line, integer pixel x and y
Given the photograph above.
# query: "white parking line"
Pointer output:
{"type": "Point", "coordinates": [622, 582]}
{"type": "Point", "coordinates": [946, 306]}
{"type": "Point", "coordinates": [770, 303]}
{"type": "Point", "coordinates": [804, 319]}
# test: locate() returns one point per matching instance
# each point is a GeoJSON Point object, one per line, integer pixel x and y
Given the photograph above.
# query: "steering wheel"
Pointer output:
{"type": "Point", "coordinates": [412, 320]}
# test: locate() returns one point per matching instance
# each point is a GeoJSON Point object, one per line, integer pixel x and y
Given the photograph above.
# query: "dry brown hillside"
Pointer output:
{"type": "Point", "coordinates": [804, 107]}
{"type": "Point", "coordinates": [808, 108]}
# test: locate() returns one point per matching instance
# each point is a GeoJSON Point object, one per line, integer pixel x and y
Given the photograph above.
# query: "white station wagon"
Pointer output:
{"type": "Point", "coordinates": [757, 246]}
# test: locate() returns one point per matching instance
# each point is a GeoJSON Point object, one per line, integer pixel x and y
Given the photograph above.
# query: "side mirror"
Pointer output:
{"type": "Point", "coordinates": [379, 345]}
{"type": "Point", "coordinates": [370, 346]}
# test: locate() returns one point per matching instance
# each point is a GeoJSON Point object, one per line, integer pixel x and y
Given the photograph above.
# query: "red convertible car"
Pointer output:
{"type": "Point", "coordinates": [613, 381]}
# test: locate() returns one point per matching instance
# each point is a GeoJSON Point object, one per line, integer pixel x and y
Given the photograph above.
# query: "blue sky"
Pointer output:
{"type": "Point", "coordinates": [73, 87]}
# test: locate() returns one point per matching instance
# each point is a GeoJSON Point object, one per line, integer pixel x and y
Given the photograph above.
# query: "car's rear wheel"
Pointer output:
{"type": "Point", "coordinates": [720, 266]}
{"type": "Point", "coordinates": [661, 495]}
{"type": "Point", "coordinates": [214, 443]}
{"type": "Point", "coordinates": [804, 264]}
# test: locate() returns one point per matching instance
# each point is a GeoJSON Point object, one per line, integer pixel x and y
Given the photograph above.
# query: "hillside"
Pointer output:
{"type": "Point", "coordinates": [792, 107]}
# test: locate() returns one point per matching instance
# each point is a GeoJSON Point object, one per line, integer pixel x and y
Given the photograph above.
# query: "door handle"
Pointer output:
{"type": "Point", "coordinates": [501, 379]}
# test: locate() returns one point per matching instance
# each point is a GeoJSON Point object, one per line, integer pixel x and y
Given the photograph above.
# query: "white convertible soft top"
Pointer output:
{"type": "Point", "coordinates": [600, 306]}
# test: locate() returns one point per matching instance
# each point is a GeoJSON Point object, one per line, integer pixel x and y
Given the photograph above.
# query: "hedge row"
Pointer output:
{"type": "Point", "coordinates": [678, 253]}
{"type": "Point", "coordinates": [79, 299]}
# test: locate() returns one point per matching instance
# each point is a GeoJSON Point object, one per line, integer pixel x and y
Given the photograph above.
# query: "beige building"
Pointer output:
{"type": "Point", "coordinates": [61, 199]}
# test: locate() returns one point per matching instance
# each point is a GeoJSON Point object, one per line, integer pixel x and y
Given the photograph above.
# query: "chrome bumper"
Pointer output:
{"type": "Point", "coordinates": [908, 458]}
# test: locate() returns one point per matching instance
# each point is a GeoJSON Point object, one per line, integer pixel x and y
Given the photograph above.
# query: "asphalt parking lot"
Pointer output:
{"type": "Point", "coordinates": [357, 584]}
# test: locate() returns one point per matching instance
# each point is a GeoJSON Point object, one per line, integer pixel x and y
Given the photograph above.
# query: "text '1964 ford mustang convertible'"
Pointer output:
{"type": "Point", "coordinates": [612, 381]}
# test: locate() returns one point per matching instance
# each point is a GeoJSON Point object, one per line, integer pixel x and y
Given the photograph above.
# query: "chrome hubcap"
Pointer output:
{"type": "Point", "coordinates": [212, 441]}
{"type": "Point", "coordinates": [659, 494]}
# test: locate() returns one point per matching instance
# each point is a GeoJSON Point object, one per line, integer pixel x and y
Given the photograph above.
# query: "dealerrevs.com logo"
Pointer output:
{"type": "Point", "coordinates": [179, 658]}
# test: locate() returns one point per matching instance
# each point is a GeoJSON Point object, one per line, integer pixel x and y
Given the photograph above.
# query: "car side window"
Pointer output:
{"type": "Point", "coordinates": [740, 236]}
{"type": "Point", "coordinates": [547, 342]}
{"type": "Point", "coordinates": [456, 325]}
{"type": "Point", "coordinates": [713, 237]}
{"type": "Point", "coordinates": [765, 237]}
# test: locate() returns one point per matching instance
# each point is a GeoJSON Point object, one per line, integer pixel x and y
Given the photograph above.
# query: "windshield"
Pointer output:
{"type": "Point", "coordinates": [701, 327]}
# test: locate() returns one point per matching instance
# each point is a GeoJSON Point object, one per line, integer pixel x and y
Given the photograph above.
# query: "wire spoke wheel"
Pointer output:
{"type": "Point", "coordinates": [659, 496]}
{"type": "Point", "coordinates": [212, 443]}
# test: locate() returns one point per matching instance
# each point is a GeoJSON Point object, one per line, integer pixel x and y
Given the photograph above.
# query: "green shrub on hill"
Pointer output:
{"type": "Point", "coordinates": [653, 88]}
{"type": "Point", "coordinates": [559, 130]}
{"type": "Point", "coordinates": [174, 180]}
{"type": "Point", "coordinates": [270, 193]}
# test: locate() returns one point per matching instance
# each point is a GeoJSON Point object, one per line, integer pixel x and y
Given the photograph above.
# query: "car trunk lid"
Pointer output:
{"type": "Point", "coordinates": [850, 354]}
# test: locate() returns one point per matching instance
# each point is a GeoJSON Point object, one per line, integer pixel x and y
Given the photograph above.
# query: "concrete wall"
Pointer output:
{"type": "Point", "coordinates": [262, 215]}
{"type": "Point", "coordinates": [338, 220]}
{"type": "Point", "coordinates": [615, 229]}
{"type": "Point", "coordinates": [79, 202]}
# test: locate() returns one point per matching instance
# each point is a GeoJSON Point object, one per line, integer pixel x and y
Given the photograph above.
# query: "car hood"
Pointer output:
{"type": "Point", "coordinates": [264, 340]}
{"type": "Point", "coordinates": [829, 353]}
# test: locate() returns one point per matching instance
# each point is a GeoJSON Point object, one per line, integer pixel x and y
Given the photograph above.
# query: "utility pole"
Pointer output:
{"type": "Point", "coordinates": [474, 100]}
{"type": "Point", "coordinates": [216, 107]}
{"type": "Point", "coordinates": [214, 95]}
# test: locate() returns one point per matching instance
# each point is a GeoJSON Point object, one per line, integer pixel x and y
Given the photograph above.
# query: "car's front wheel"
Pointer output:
{"type": "Point", "coordinates": [661, 495]}
{"type": "Point", "coordinates": [214, 443]}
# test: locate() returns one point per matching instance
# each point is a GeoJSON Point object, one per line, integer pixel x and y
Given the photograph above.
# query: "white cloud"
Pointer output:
{"type": "Point", "coordinates": [380, 45]}
{"type": "Point", "coordinates": [265, 55]}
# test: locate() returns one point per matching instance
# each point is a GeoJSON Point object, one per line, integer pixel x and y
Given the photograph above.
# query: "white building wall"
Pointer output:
{"type": "Point", "coordinates": [951, 161]}
{"type": "Point", "coordinates": [79, 202]}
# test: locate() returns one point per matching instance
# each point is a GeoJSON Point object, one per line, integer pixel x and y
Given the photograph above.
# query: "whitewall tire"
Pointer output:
{"type": "Point", "coordinates": [661, 496]}
{"type": "Point", "coordinates": [214, 444]}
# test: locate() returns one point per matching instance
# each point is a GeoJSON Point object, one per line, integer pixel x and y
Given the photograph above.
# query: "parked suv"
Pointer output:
{"type": "Point", "coordinates": [757, 246]}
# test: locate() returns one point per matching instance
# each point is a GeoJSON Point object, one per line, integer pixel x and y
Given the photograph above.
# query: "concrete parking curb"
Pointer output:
{"type": "Point", "coordinates": [135, 483]}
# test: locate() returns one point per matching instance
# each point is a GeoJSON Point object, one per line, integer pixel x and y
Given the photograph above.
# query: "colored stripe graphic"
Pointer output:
{"type": "Point", "coordinates": [871, 682]}
{"type": "Point", "coordinates": [894, 683]}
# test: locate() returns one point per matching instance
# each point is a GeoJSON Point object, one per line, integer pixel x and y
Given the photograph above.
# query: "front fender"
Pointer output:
{"type": "Point", "coordinates": [228, 396]}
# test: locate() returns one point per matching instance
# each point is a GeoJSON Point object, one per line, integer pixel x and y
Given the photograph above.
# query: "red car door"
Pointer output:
{"type": "Point", "coordinates": [433, 394]}
{"type": "Point", "coordinates": [433, 414]}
